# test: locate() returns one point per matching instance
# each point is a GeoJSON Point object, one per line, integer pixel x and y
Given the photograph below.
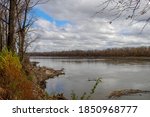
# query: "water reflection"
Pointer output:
{"type": "Point", "coordinates": [115, 75]}
{"type": "Point", "coordinates": [55, 86]}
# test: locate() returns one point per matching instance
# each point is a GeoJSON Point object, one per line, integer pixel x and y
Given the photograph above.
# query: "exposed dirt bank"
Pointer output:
{"type": "Point", "coordinates": [39, 75]}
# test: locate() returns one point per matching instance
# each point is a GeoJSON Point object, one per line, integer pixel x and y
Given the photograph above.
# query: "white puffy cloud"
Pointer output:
{"type": "Point", "coordinates": [84, 31]}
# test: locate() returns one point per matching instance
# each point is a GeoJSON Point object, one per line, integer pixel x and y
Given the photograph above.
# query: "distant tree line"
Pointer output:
{"type": "Point", "coordinates": [113, 52]}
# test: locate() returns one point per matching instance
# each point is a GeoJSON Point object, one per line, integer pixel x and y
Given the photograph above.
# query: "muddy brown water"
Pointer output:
{"type": "Point", "coordinates": [80, 75]}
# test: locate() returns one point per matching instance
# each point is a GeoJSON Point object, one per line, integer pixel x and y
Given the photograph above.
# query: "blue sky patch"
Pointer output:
{"type": "Point", "coordinates": [41, 14]}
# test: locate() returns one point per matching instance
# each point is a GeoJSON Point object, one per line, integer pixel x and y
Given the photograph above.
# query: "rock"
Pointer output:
{"type": "Point", "coordinates": [48, 72]}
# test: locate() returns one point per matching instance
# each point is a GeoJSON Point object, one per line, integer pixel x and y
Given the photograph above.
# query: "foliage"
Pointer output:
{"type": "Point", "coordinates": [12, 77]}
{"type": "Point", "coordinates": [86, 96]}
{"type": "Point", "coordinates": [74, 96]}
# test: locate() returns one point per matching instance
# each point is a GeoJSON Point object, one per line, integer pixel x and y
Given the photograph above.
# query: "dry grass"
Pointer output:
{"type": "Point", "coordinates": [12, 77]}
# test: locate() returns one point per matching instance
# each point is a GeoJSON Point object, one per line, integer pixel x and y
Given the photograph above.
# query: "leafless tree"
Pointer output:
{"type": "Point", "coordinates": [24, 22]}
{"type": "Point", "coordinates": [3, 22]}
{"type": "Point", "coordinates": [11, 25]}
{"type": "Point", "coordinates": [22, 9]}
{"type": "Point", "coordinates": [15, 23]}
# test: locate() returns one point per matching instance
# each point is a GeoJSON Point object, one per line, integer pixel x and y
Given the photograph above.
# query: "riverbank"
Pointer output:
{"type": "Point", "coordinates": [42, 74]}
{"type": "Point", "coordinates": [23, 80]}
{"type": "Point", "coordinates": [39, 75]}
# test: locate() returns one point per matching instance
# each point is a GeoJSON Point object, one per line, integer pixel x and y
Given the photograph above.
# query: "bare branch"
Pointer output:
{"type": "Point", "coordinates": [130, 9]}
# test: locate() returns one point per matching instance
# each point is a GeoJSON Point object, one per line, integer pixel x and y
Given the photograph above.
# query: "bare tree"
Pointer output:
{"type": "Point", "coordinates": [24, 22]}
{"type": "Point", "coordinates": [3, 22]}
{"type": "Point", "coordinates": [22, 8]}
{"type": "Point", "coordinates": [28, 20]}
{"type": "Point", "coordinates": [11, 30]}
{"type": "Point", "coordinates": [15, 22]}
{"type": "Point", "coordinates": [135, 10]}
{"type": "Point", "coordinates": [1, 38]}
{"type": "Point", "coordinates": [1, 34]}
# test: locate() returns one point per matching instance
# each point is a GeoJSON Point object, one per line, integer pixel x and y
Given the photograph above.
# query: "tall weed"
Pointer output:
{"type": "Point", "coordinates": [86, 96]}
{"type": "Point", "coordinates": [13, 78]}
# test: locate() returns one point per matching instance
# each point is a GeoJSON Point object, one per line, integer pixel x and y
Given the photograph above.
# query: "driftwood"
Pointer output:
{"type": "Point", "coordinates": [119, 93]}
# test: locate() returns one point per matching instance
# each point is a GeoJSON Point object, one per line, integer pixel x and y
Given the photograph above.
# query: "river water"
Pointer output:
{"type": "Point", "coordinates": [80, 76]}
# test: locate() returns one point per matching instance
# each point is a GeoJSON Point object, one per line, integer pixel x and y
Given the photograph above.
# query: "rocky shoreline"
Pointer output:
{"type": "Point", "coordinates": [42, 74]}
{"type": "Point", "coordinates": [38, 75]}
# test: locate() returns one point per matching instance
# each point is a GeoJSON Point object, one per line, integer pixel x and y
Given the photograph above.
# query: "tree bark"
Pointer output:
{"type": "Point", "coordinates": [11, 27]}
{"type": "Point", "coordinates": [22, 28]}
{"type": "Point", "coordinates": [1, 37]}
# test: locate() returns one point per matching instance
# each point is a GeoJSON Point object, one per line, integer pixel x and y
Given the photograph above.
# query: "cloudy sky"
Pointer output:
{"type": "Point", "coordinates": [72, 25]}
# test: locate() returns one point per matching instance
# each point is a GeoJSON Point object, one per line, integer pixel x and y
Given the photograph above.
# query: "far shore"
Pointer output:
{"type": "Point", "coordinates": [79, 57]}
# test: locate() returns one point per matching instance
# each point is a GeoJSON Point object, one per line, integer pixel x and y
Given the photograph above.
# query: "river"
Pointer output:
{"type": "Point", "coordinates": [80, 76]}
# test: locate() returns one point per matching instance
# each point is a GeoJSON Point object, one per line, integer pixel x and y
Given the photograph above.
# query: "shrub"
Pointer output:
{"type": "Point", "coordinates": [12, 77]}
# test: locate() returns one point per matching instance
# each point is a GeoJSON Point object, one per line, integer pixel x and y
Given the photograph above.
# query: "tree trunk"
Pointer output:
{"type": "Point", "coordinates": [22, 28]}
{"type": "Point", "coordinates": [21, 44]}
{"type": "Point", "coordinates": [11, 27]}
{"type": "Point", "coordinates": [1, 37]}
{"type": "Point", "coordinates": [1, 32]}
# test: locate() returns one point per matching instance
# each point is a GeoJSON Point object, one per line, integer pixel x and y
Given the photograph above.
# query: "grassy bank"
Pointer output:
{"type": "Point", "coordinates": [21, 80]}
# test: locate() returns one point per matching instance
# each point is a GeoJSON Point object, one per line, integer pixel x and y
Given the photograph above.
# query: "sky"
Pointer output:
{"type": "Point", "coordinates": [72, 25]}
